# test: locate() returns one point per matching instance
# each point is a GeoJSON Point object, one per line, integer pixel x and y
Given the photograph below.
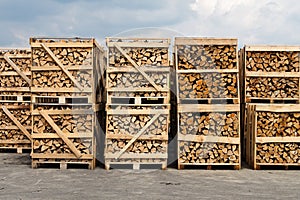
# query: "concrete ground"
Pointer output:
{"type": "Point", "coordinates": [19, 181]}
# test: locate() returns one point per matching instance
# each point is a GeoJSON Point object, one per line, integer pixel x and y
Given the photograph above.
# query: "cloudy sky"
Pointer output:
{"type": "Point", "coordinates": [251, 21]}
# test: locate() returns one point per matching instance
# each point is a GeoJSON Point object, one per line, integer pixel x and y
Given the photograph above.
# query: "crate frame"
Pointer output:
{"type": "Point", "coordinates": [209, 139]}
{"type": "Point", "coordinates": [248, 74]}
{"type": "Point", "coordinates": [97, 67]}
{"type": "Point", "coordinates": [198, 41]}
{"type": "Point", "coordinates": [109, 157]}
{"type": "Point", "coordinates": [253, 139]}
{"type": "Point", "coordinates": [64, 158]}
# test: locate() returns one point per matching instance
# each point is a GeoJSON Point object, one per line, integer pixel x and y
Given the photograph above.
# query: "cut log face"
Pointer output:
{"type": "Point", "coordinates": [278, 153]}
{"type": "Point", "coordinates": [272, 61]}
{"type": "Point", "coordinates": [195, 152]}
{"type": "Point", "coordinates": [141, 56]}
{"type": "Point", "coordinates": [265, 87]}
{"type": "Point", "coordinates": [270, 124]}
{"type": "Point", "coordinates": [137, 80]}
{"type": "Point", "coordinates": [206, 57]}
{"type": "Point", "coordinates": [209, 124]}
{"type": "Point", "coordinates": [57, 146]}
{"type": "Point", "coordinates": [9, 130]}
{"type": "Point", "coordinates": [208, 85]}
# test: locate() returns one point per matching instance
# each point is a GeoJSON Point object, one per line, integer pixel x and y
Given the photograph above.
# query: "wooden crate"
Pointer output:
{"type": "Point", "coordinates": [271, 74]}
{"type": "Point", "coordinates": [63, 134]}
{"type": "Point", "coordinates": [15, 74]}
{"type": "Point", "coordinates": [207, 70]}
{"type": "Point", "coordinates": [137, 137]}
{"type": "Point", "coordinates": [209, 135]}
{"type": "Point", "coordinates": [138, 67]}
{"type": "Point", "coordinates": [67, 67]}
{"type": "Point", "coordinates": [273, 132]}
{"type": "Point", "coordinates": [15, 125]}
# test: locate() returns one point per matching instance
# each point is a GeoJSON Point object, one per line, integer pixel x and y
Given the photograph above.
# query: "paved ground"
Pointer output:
{"type": "Point", "coordinates": [19, 181]}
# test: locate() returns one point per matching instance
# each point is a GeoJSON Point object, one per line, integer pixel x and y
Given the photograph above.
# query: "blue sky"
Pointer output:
{"type": "Point", "coordinates": [251, 21]}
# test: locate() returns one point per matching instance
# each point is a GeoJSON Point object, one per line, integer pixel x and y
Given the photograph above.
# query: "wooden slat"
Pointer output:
{"type": "Point", "coordinates": [55, 136]}
{"type": "Point", "coordinates": [64, 112]}
{"type": "Point", "coordinates": [137, 156]}
{"type": "Point", "coordinates": [56, 68]}
{"type": "Point", "coordinates": [204, 41]}
{"type": "Point", "coordinates": [223, 71]}
{"type": "Point", "coordinates": [137, 112]}
{"type": "Point", "coordinates": [62, 66]}
{"type": "Point", "coordinates": [277, 139]}
{"type": "Point", "coordinates": [61, 134]}
{"type": "Point", "coordinates": [145, 68]}
{"type": "Point", "coordinates": [60, 156]}
{"type": "Point", "coordinates": [158, 88]}
{"type": "Point", "coordinates": [208, 108]}
{"type": "Point", "coordinates": [62, 45]}
{"type": "Point", "coordinates": [19, 125]}
{"type": "Point", "coordinates": [62, 90]}
{"type": "Point", "coordinates": [271, 48]}
{"type": "Point", "coordinates": [132, 89]}
{"type": "Point", "coordinates": [273, 74]}
{"type": "Point", "coordinates": [13, 73]}
{"type": "Point", "coordinates": [142, 137]}
{"type": "Point", "coordinates": [278, 108]}
{"type": "Point", "coordinates": [17, 69]}
{"type": "Point", "coordinates": [211, 139]}
{"type": "Point", "coordinates": [9, 141]}
{"type": "Point", "coordinates": [137, 136]}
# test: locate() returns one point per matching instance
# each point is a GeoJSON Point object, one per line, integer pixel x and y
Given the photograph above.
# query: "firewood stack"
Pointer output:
{"type": "Point", "coordinates": [208, 102]}
{"type": "Point", "coordinates": [271, 84]}
{"type": "Point", "coordinates": [137, 102]}
{"type": "Point", "coordinates": [15, 81]}
{"type": "Point", "coordinates": [67, 77]}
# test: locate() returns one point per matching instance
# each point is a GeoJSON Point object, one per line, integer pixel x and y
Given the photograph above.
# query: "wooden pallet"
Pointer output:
{"type": "Point", "coordinates": [266, 64]}
{"type": "Point", "coordinates": [63, 132]}
{"type": "Point", "coordinates": [260, 139]}
{"type": "Point", "coordinates": [135, 165]}
{"type": "Point", "coordinates": [209, 166]}
{"type": "Point", "coordinates": [198, 145]}
{"type": "Point", "coordinates": [67, 66]}
{"type": "Point", "coordinates": [15, 126]}
{"type": "Point", "coordinates": [22, 147]}
{"type": "Point", "coordinates": [63, 164]}
{"type": "Point", "coordinates": [15, 74]}
{"type": "Point", "coordinates": [137, 101]}
{"type": "Point", "coordinates": [15, 98]}
{"type": "Point", "coordinates": [143, 138]}
{"type": "Point", "coordinates": [65, 100]}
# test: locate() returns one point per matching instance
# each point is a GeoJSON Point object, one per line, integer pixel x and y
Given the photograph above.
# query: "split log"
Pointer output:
{"type": "Point", "coordinates": [142, 56]}
{"type": "Point", "coordinates": [139, 146]}
{"type": "Point", "coordinates": [67, 56]}
{"type": "Point", "coordinates": [271, 124]}
{"type": "Point", "coordinates": [209, 124]}
{"type": "Point", "coordinates": [57, 146]}
{"type": "Point", "coordinates": [281, 153]}
{"type": "Point", "coordinates": [272, 61]}
{"type": "Point", "coordinates": [136, 80]}
{"type": "Point", "coordinates": [194, 152]}
{"type": "Point", "coordinates": [208, 85]}
{"type": "Point", "coordinates": [265, 87]}
{"type": "Point", "coordinates": [206, 57]}
{"type": "Point", "coordinates": [130, 125]}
